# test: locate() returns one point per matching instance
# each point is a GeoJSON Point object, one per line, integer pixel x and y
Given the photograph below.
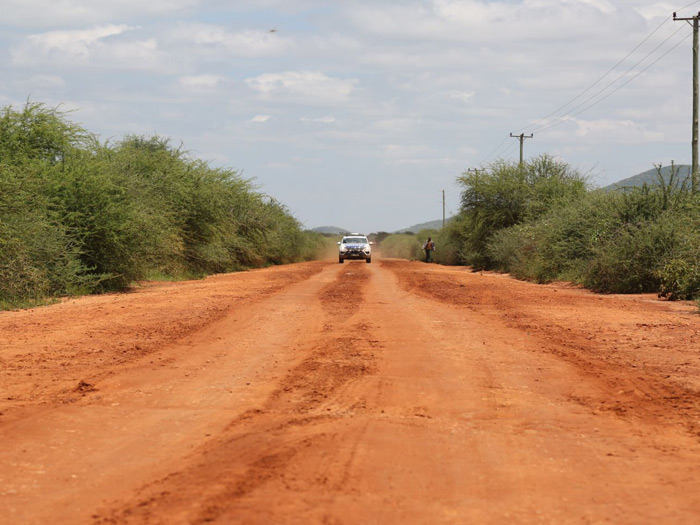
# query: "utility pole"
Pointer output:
{"type": "Point", "coordinates": [443, 208]}
{"type": "Point", "coordinates": [522, 138]}
{"type": "Point", "coordinates": [694, 144]}
{"type": "Point", "coordinates": [476, 170]}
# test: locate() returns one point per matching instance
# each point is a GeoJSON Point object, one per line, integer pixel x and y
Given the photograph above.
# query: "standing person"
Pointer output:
{"type": "Point", "coordinates": [429, 248]}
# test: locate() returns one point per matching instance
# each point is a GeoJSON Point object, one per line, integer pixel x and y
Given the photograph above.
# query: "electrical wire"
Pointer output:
{"type": "Point", "coordinates": [496, 150]}
{"type": "Point", "coordinates": [544, 119]}
{"type": "Point", "coordinates": [687, 6]}
{"type": "Point", "coordinates": [566, 116]}
{"type": "Point", "coordinates": [503, 152]}
{"type": "Point", "coordinates": [544, 124]}
{"type": "Point", "coordinates": [569, 117]}
{"type": "Point", "coordinates": [613, 68]}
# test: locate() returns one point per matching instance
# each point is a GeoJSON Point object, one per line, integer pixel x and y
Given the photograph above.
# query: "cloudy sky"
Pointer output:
{"type": "Point", "coordinates": [358, 113]}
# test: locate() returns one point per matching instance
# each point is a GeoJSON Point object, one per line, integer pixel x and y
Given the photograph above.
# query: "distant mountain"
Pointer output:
{"type": "Point", "coordinates": [431, 225]}
{"type": "Point", "coordinates": [650, 178]}
{"type": "Point", "coordinates": [333, 230]}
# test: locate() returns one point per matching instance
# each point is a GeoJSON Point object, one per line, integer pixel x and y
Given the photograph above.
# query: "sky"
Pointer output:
{"type": "Point", "coordinates": [360, 113]}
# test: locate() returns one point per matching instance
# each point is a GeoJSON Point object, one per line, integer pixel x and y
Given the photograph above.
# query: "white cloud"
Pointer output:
{"type": "Point", "coordinates": [658, 10]}
{"type": "Point", "coordinates": [330, 119]}
{"type": "Point", "coordinates": [607, 131]}
{"type": "Point", "coordinates": [602, 5]}
{"type": "Point", "coordinates": [260, 118]}
{"type": "Point", "coordinates": [200, 81]}
{"type": "Point", "coordinates": [406, 153]}
{"type": "Point", "coordinates": [397, 125]}
{"type": "Point", "coordinates": [294, 162]}
{"type": "Point", "coordinates": [224, 42]}
{"type": "Point", "coordinates": [310, 86]}
{"type": "Point", "coordinates": [463, 96]}
{"type": "Point", "coordinates": [72, 45]}
{"type": "Point", "coordinates": [71, 13]}
{"type": "Point", "coordinates": [101, 46]}
{"type": "Point", "coordinates": [49, 82]}
{"type": "Point", "coordinates": [135, 55]}
{"type": "Point", "coordinates": [482, 20]}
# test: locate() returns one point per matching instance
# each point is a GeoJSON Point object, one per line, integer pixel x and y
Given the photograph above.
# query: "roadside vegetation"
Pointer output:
{"type": "Point", "coordinates": [81, 216]}
{"type": "Point", "coordinates": [542, 222]}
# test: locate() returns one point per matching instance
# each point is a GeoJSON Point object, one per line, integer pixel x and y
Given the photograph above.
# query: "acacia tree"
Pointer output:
{"type": "Point", "coordinates": [508, 194]}
{"type": "Point", "coordinates": [38, 253]}
{"type": "Point", "coordinates": [77, 215]}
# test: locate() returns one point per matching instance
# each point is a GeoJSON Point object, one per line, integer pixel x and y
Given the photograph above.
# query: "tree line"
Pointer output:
{"type": "Point", "coordinates": [78, 215]}
{"type": "Point", "coordinates": [543, 222]}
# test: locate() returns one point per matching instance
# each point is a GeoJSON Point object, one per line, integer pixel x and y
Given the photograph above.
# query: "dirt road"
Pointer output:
{"type": "Point", "coordinates": [390, 392]}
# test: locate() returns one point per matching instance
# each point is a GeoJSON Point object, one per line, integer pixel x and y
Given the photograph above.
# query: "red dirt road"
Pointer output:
{"type": "Point", "coordinates": [390, 392]}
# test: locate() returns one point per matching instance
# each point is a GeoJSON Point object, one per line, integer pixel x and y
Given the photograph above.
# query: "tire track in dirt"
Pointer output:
{"type": "Point", "coordinates": [337, 356]}
{"type": "Point", "coordinates": [356, 397]}
{"type": "Point", "coordinates": [145, 419]}
{"type": "Point", "coordinates": [258, 449]}
{"type": "Point", "coordinates": [48, 351]}
{"type": "Point", "coordinates": [606, 346]}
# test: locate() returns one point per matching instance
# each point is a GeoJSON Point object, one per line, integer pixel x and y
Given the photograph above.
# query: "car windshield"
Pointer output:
{"type": "Point", "coordinates": [355, 240]}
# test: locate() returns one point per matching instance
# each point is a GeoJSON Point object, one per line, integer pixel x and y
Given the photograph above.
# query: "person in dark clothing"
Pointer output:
{"type": "Point", "coordinates": [429, 248]}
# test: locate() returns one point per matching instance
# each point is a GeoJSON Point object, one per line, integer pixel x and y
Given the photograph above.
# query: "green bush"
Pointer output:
{"type": "Point", "coordinates": [558, 244]}
{"type": "Point", "coordinates": [636, 240]}
{"type": "Point", "coordinates": [446, 243]}
{"type": "Point", "coordinates": [402, 246]}
{"type": "Point", "coordinates": [78, 216]}
{"type": "Point", "coordinates": [679, 269]}
{"type": "Point", "coordinates": [39, 255]}
{"type": "Point", "coordinates": [509, 194]}
{"type": "Point", "coordinates": [628, 261]}
{"type": "Point", "coordinates": [410, 246]}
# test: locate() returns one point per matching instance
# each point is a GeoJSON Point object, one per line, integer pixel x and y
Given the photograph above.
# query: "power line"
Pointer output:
{"type": "Point", "coordinates": [545, 124]}
{"type": "Point", "coordinates": [566, 118]}
{"type": "Point", "coordinates": [494, 151]}
{"type": "Point", "coordinates": [613, 68]}
{"type": "Point", "coordinates": [506, 152]}
{"type": "Point", "coordinates": [543, 119]}
{"type": "Point", "coordinates": [687, 6]}
{"type": "Point", "coordinates": [510, 149]}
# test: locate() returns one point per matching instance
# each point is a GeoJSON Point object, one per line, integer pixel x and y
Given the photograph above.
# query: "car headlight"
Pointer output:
{"type": "Point", "coordinates": [343, 249]}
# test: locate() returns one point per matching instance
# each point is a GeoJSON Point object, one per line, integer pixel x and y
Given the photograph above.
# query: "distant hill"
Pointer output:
{"type": "Point", "coordinates": [333, 230]}
{"type": "Point", "coordinates": [650, 178]}
{"type": "Point", "coordinates": [431, 225]}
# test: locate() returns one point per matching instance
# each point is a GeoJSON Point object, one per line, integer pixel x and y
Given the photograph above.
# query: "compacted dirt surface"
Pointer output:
{"type": "Point", "coordinates": [391, 392]}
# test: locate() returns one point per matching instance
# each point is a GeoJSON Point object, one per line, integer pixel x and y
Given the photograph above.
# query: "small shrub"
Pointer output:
{"type": "Point", "coordinates": [680, 279]}
{"type": "Point", "coordinates": [402, 246]}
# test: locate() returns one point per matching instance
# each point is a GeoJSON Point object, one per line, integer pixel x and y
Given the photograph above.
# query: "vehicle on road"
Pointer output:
{"type": "Point", "coordinates": [355, 246]}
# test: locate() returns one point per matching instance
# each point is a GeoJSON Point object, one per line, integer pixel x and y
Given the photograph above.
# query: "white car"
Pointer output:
{"type": "Point", "coordinates": [355, 246]}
